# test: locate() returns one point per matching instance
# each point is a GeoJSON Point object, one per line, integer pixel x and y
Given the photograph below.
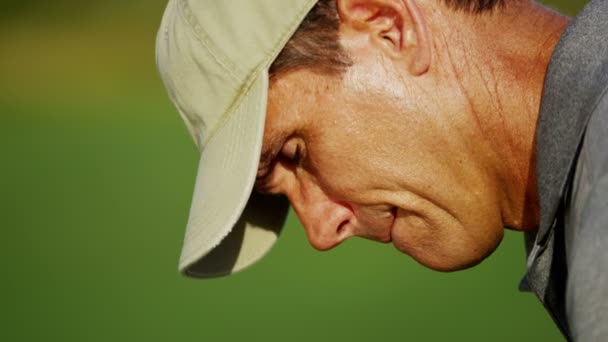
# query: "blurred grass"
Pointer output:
{"type": "Point", "coordinates": [97, 174]}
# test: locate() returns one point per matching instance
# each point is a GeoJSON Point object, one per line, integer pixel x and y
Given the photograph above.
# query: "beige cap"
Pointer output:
{"type": "Point", "coordinates": [213, 57]}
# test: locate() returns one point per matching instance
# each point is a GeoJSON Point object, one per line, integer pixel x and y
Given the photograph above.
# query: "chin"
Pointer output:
{"type": "Point", "coordinates": [449, 256]}
{"type": "Point", "coordinates": [450, 264]}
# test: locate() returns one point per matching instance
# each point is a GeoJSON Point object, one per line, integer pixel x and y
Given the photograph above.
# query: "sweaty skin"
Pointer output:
{"type": "Point", "coordinates": [425, 141]}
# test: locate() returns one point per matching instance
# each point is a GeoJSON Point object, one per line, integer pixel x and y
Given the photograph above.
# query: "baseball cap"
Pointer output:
{"type": "Point", "coordinates": [213, 57]}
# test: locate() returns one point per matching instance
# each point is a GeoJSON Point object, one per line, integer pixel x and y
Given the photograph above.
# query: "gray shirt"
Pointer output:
{"type": "Point", "coordinates": [568, 256]}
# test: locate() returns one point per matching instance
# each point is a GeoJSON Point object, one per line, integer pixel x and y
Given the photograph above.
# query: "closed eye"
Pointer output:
{"type": "Point", "coordinates": [290, 156]}
{"type": "Point", "coordinates": [292, 151]}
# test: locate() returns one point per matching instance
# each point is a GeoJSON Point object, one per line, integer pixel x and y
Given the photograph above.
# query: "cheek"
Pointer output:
{"type": "Point", "coordinates": [352, 155]}
{"type": "Point", "coordinates": [342, 168]}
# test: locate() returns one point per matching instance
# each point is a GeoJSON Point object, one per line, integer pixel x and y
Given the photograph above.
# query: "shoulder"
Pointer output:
{"type": "Point", "coordinates": [589, 189]}
{"type": "Point", "coordinates": [587, 232]}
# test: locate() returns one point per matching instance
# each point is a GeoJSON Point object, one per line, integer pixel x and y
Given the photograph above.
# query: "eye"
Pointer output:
{"type": "Point", "coordinates": [292, 151]}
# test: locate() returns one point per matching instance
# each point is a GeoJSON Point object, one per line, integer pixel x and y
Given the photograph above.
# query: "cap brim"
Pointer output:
{"type": "Point", "coordinates": [230, 228]}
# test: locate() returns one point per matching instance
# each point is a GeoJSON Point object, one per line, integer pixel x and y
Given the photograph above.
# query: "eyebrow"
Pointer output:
{"type": "Point", "coordinates": [262, 179]}
{"type": "Point", "coordinates": [270, 150]}
{"type": "Point", "coordinates": [265, 163]}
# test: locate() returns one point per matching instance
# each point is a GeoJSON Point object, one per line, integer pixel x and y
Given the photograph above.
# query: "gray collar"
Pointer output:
{"type": "Point", "coordinates": [576, 79]}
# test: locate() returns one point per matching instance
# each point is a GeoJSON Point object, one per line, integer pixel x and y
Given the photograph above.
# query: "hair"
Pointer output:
{"type": "Point", "coordinates": [316, 45]}
{"type": "Point", "coordinates": [474, 6]}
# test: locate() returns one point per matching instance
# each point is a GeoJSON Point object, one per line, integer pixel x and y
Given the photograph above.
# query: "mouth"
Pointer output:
{"type": "Point", "coordinates": [389, 238]}
{"type": "Point", "coordinates": [377, 223]}
{"type": "Point", "coordinates": [387, 234]}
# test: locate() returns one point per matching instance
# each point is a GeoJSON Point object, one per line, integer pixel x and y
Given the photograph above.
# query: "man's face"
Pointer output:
{"type": "Point", "coordinates": [378, 155]}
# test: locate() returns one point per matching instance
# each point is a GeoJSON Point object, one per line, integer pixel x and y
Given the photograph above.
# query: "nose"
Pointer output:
{"type": "Point", "coordinates": [327, 222]}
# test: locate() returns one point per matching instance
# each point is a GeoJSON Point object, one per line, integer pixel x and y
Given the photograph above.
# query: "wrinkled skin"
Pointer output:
{"type": "Point", "coordinates": [362, 174]}
{"type": "Point", "coordinates": [395, 150]}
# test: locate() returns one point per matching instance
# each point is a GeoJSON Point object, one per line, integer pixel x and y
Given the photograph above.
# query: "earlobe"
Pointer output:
{"type": "Point", "coordinates": [397, 27]}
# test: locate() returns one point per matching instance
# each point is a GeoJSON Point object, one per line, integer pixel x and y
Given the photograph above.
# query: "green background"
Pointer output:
{"type": "Point", "coordinates": [97, 174]}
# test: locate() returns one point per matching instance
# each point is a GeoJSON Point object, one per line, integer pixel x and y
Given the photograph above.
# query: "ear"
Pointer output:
{"type": "Point", "coordinates": [397, 27]}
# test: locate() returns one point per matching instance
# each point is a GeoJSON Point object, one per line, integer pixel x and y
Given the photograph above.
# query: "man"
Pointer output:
{"type": "Point", "coordinates": [429, 124]}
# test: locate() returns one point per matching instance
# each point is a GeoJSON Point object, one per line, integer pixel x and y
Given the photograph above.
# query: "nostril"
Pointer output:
{"type": "Point", "coordinates": [341, 227]}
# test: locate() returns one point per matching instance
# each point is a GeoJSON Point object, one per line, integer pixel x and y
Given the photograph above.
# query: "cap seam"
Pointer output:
{"type": "Point", "coordinates": [203, 38]}
{"type": "Point", "coordinates": [231, 109]}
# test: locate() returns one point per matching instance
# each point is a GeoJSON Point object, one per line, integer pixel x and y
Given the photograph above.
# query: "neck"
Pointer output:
{"type": "Point", "coordinates": [506, 58]}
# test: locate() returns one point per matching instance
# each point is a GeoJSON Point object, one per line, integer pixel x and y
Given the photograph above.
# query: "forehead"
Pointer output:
{"type": "Point", "coordinates": [296, 101]}
{"type": "Point", "coordinates": [297, 94]}
{"type": "Point", "coordinates": [290, 96]}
